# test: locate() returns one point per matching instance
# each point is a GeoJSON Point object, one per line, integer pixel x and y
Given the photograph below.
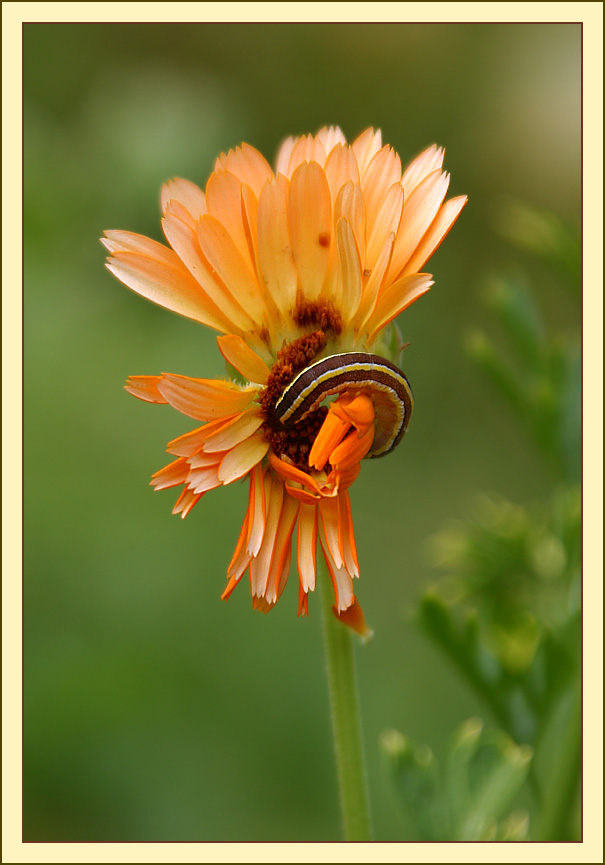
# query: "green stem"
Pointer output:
{"type": "Point", "coordinates": [552, 825]}
{"type": "Point", "coordinates": [346, 721]}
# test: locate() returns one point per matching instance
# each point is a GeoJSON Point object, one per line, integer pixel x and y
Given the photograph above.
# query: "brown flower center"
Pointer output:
{"type": "Point", "coordinates": [295, 441]}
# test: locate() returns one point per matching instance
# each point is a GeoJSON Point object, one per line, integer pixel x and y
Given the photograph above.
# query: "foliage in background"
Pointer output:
{"type": "Point", "coordinates": [507, 614]}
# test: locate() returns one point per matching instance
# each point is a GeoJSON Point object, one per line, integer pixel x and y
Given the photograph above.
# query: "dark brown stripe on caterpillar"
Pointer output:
{"type": "Point", "coordinates": [382, 380]}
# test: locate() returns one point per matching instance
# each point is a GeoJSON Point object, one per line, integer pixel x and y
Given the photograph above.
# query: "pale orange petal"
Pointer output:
{"type": "Point", "coordinates": [221, 253]}
{"type": "Point", "coordinates": [224, 200]}
{"type": "Point", "coordinates": [365, 147]}
{"type": "Point", "coordinates": [330, 136]}
{"type": "Point", "coordinates": [385, 223]}
{"type": "Point", "coordinates": [203, 479]}
{"type": "Point", "coordinates": [447, 215]}
{"type": "Point", "coordinates": [281, 550]}
{"type": "Point", "coordinates": [186, 193]}
{"type": "Point", "coordinates": [350, 205]}
{"type": "Point", "coordinates": [419, 211]}
{"type": "Point", "coordinates": [374, 284]}
{"type": "Point", "coordinates": [348, 535]}
{"type": "Point", "coordinates": [184, 241]}
{"type": "Point", "coordinates": [169, 285]}
{"type": "Point", "coordinates": [310, 226]}
{"type": "Point", "coordinates": [328, 510]}
{"type": "Point", "coordinates": [306, 149]}
{"type": "Point", "coordinates": [145, 387]}
{"type": "Point", "coordinates": [350, 269]}
{"type": "Point", "coordinates": [205, 398]}
{"type": "Point", "coordinates": [185, 502]}
{"type": "Point", "coordinates": [256, 507]}
{"type": "Point", "coordinates": [248, 165]}
{"type": "Point", "coordinates": [395, 299]}
{"type": "Point", "coordinates": [259, 567]}
{"type": "Point", "coordinates": [274, 248]}
{"type": "Point", "coordinates": [383, 171]}
{"type": "Point", "coordinates": [172, 475]}
{"type": "Point", "coordinates": [238, 353]}
{"type": "Point", "coordinates": [341, 579]}
{"type": "Point", "coordinates": [226, 439]}
{"type": "Point", "coordinates": [307, 546]}
{"type": "Point", "coordinates": [283, 155]}
{"type": "Point", "coordinates": [242, 458]}
{"type": "Point", "coordinates": [187, 445]}
{"type": "Point", "coordinates": [341, 167]}
{"type": "Point", "coordinates": [428, 161]}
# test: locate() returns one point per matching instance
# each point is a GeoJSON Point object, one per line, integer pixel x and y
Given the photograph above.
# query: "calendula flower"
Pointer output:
{"type": "Point", "coordinates": [301, 269]}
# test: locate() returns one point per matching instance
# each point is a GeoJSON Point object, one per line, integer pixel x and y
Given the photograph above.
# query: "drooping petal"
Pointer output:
{"type": "Point", "coordinates": [242, 458]}
{"type": "Point", "coordinates": [205, 398]}
{"type": "Point", "coordinates": [341, 579]}
{"type": "Point", "coordinates": [172, 475]}
{"type": "Point", "coordinates": [145, 387]}
{"type": "Point", "coordinates": [307, 546]}
{"type": "Point", "coordinates": [259, 567]}
{"type": "Point", "coordinates": [238, 353]}
{"type": "Point", "coordinates": [354, 618]}
{"type": "Point", "coordinates": [281, 550]}
{"type": "Point", "coordinates": [227, 438]}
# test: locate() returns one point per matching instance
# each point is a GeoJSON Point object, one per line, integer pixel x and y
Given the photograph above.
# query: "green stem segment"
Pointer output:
{"type": "Point", "coordinates": [346, 722]}
{"type": "Point", "coordinates": [553, 823]}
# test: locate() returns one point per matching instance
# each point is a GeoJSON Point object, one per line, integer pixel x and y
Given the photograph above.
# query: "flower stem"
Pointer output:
{"type": "Point", "coordinates": [553, 822]}
{"type": "Point", "coordinates": [346, 721]}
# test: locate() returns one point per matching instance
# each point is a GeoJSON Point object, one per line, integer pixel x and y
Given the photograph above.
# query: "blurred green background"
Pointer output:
{"type": "Point", "coordinates": [154, 711]}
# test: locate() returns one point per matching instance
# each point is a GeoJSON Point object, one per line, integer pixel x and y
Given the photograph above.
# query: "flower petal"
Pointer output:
{"type": "Point", "coordinates": [226, 439]}
{"type": "Point", "coordinates": [274, 248]}
{"type": "Point", "coordinates": [183, 239]}
{"type": "Point", "coordinates": [418, 213]}
{"type": "Point", "coordinates": [205, 398]}
{"type": "Point", "coordinates": [186, 193]}
{"type": "Point", "coordinates": [223, 256]}
{"type": "Point", "coordinates": [145, 387]}
{"type": "Point", "coordinates": [365, 147]}
{"type": "Point", "coordinates": [428, 161]}
{"type": "Point", "coordinates": [447, 215]}
{"type": "Point", "coordinates": [310, 226]}
{"type": "Point", "coordinates": [164, 279]}
{"type": "Point", "coordinates": [242, 458]}
{"type": "Point", "coordinates": [350, 268]}
{"type": "Point", "coordinates": [395, 299]}
{"type": "Point", "coordinates": [238, 353]}
{"type": "Point", "coordinates": [307, 546]}
{"type": "Point", "coordinates": [248, 165]}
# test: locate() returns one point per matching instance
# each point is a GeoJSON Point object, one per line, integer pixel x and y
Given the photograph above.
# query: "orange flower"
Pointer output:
{"type": "Point", "coordinates": [292, 266]}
